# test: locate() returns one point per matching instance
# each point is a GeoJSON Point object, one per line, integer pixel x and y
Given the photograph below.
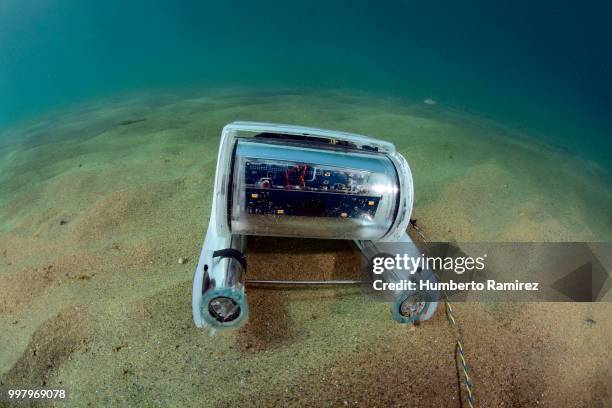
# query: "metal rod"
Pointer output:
{"type": "Point", "coordinates": [304, 283]}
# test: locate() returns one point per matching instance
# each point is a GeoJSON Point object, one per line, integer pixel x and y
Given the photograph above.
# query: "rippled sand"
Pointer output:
{"type": "Point", "coordinates": [98, 202]}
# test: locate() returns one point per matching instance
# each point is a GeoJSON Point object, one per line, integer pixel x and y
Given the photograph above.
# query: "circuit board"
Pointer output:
{"type": "Point", "coordinates": [287, 188]}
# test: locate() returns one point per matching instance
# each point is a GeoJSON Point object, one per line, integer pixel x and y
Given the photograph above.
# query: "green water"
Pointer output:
{"type": "Point", "coordinates": [543, 68]}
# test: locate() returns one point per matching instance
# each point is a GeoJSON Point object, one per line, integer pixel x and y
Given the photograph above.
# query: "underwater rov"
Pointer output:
{"type": "Point", "coordinates": [293, 181]}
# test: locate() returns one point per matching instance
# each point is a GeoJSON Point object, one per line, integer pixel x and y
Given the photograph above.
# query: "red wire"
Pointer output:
{"type": "Point", "coordinates": [302, 175]}
{"type": "Point", "coordinates": [302, 181]}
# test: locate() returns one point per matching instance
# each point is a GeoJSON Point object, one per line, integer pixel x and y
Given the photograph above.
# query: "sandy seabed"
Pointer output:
{"type": "Point", "coordinates": [99, 201]}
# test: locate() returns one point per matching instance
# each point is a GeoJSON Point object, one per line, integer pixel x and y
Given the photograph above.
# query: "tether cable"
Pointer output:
{"type": "Point", "coordinates": [459, 351]}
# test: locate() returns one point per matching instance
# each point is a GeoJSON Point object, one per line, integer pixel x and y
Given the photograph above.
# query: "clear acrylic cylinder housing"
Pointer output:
{"type": "Point", "coordinates": [297, 190]}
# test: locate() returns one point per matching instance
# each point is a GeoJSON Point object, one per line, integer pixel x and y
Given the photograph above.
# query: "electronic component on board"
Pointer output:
{"type": "Point", "coordinates": [348, 193]}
